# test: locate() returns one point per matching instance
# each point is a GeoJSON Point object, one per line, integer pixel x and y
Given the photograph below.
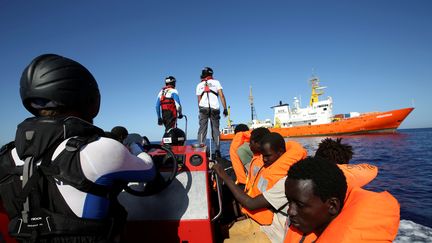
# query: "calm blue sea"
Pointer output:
{"type": "Point", "coordinates": [404, 160]}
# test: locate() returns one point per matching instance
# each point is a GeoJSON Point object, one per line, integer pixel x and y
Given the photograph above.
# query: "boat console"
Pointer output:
{"type": "Point", "coordinates": [182, 211]}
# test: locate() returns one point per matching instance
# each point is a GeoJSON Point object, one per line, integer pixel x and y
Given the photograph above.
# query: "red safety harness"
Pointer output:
{"type": "Point", "coordinates": [207, 88]}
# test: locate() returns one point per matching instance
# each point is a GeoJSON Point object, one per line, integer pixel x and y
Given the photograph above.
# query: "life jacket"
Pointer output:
{"type": "Point", "coordinates": [168, 103]}
{"type": "Point", "coordinates": [34, 203]}
{"type": "Point", "coordinates": [239, 139]}
{"type": "Point", "coordinates": [357, 175]}
{"type": "Point", "coordinates": [294, 235]}
{"type": "Point", "coordinates": [266, 177]}
{"type": "Point", "coordinates": [366, 217]}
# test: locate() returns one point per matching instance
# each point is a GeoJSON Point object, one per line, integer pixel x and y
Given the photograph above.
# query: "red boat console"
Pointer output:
{"type": "Point", "coordinates": [181, 212]}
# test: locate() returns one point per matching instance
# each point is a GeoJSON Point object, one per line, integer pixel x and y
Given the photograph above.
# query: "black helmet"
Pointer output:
{"type": "Point", "coordinates": [206, 72]}
{"type": "Point", "coordinates": [60, 81]}
{"type": "Point", "coordinates": [174, 136]}
{"type": "Point", "coordinates": [170, 80]}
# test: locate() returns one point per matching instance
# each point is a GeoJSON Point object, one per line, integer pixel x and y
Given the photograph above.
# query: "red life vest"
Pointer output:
{"type": "Point", "coordinates": [168, 103]}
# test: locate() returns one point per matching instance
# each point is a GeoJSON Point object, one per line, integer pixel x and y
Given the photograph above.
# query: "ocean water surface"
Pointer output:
{"type": "Point", "coordinates": [404, 160]}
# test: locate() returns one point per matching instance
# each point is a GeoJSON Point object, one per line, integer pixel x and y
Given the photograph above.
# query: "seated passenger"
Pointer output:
{"type": "Point", "coordinates": [316, 190]}
{"type": "Point", "coordinates": [253, 140]}
{"type": "Point", "coordinates": [357, 175]}
{"type": "Point", "coordinates": [263, 225]}
{"type": "Point", "coordinates": [240, 153]}
{"type": "Point", "coordinates": [120, 133]}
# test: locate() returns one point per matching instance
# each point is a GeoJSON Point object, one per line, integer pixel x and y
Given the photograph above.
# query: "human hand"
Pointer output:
{"type": "Point", "coordinates": [160, 121]}
{"type": "Point", "coordinates": [225, 112]}
{"type": "Point", "coordinates": [218, 168]}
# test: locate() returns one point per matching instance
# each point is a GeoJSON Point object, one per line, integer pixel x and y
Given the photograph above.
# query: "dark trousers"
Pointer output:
{"type": "Point", "coordinates": [204, 115]}
{"type": "Point", "coordinates": [169, 119]}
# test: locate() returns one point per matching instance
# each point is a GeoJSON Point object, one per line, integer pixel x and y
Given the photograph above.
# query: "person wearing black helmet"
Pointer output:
{"type": "Point", "coordinates": [169, 102]}
{"type": "Point", "coordinates": [208, 92]}
{"type": "Point", "coordinates": [60, 177]}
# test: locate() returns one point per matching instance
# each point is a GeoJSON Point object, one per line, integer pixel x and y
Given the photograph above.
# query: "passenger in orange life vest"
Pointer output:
{"type": "Point", "coordinates": [333, 150]}
{"type": "Point", "coordinates": [240, 153]}
{"type": "Point", "coordinates": [208, 91]}
{"type": "Point", "coordinates": [357, 175]}
{"type": "Point", "coordinates": [276, 159]}
{"type": "Point", "coordinates": [169, 102]}
{"type": "Point", "coordinates": [316, 190]}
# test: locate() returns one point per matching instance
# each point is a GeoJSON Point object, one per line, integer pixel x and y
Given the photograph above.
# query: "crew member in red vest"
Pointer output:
{"type": "Point", "coordinates": [168, 102]}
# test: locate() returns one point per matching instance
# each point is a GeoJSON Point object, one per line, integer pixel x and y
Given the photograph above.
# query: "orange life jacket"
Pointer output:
{"type": "Point", "coordinates": [366, 216]}
{"type": "Point", "coordinates": [239, 139]}
{"type": "Point", "coordinates": [266, 177]}
{"type": "Point", "coordinates": [294, 235]}
{"type": "Point", "coordinates": [358, 175]}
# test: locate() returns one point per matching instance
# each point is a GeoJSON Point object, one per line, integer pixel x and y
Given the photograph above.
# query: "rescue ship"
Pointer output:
{"type": "Point", "coordinates": [317, 119]}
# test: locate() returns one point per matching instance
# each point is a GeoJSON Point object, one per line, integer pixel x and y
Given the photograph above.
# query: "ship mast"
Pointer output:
{"type": "Point", "coordinates": [316, 90]}
{"type": "Point", "coordinates": [228, 116]}
{"type": "Point", "coordinates": [253, 112]}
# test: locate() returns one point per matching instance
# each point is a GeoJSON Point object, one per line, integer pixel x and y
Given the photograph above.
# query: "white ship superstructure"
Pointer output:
{"type": "Point", "coordinates": [318, 112]}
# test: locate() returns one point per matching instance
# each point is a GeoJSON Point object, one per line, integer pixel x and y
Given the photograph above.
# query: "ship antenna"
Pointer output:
{"type": "Point", "coordinates": [229, 115]}
{"type": "Point", "coordinates": [253, 112]}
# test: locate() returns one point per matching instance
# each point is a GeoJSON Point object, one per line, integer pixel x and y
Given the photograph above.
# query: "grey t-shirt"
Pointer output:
{"type": "Point", "coordinates": [245, 154]}
{"type": "Point", "coordinates": [276, 197]}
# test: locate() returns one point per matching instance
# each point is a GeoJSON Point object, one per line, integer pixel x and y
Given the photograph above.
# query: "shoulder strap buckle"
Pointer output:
{"type": "Point", "coordinates": [77, 142]}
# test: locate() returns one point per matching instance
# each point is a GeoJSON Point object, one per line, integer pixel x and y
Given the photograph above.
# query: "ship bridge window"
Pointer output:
{"type": "Point", "coordinates": [325, 105]}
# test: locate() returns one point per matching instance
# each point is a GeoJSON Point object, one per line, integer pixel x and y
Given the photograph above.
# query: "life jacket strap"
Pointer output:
{"type": "Point", "coordinates": [208, 90]}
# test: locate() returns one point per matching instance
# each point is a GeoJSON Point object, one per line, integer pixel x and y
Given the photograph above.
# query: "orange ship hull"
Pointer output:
{"type": "Point", "coordinates": [224, 137]}
{"type": "Point", "coordinates": [387, 121]}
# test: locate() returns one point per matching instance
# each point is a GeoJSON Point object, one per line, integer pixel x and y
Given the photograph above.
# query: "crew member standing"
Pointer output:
{"type": "Point", "coordinates": [208, 91]}
{"type": "Point", "coordinates": [169, 102]}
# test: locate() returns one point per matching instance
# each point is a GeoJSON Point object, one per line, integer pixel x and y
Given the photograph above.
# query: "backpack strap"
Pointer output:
{"type": "Point", "coordinates": [7, 147]}
{"type": "Point", "coordinates": [7, 168]}
{"type": "Point", "coordinates": [30, 179]}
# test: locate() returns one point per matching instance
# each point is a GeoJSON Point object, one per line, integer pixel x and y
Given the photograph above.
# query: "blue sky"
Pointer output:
{"type": "Point", "coordinates": [372, 55]}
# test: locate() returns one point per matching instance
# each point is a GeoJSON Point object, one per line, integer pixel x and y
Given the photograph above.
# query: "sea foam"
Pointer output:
{"type": "Point", "coordinates": [412, 232]}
